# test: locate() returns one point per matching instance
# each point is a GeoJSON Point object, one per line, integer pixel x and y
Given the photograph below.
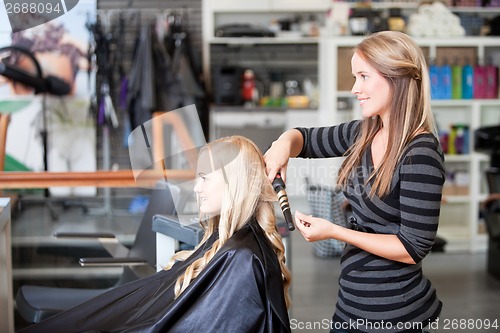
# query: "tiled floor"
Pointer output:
{"type": "Point", "coordinates": [463, 285]}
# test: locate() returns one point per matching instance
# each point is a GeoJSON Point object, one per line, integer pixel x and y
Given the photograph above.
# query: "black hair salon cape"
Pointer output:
{"type": "Point", "coordinates": [240, 290]}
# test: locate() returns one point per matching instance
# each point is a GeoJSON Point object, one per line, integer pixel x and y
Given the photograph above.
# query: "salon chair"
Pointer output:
{"type": "Point", "coordinates": [487, 139]}
{"type": "Point", "coordinates": [35, 303]}
{"type": "Point", "coordinates": [491, 214]}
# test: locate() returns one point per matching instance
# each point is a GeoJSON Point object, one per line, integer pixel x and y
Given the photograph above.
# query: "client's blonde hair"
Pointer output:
{"type": "Point", "coordinates": [247, 193]}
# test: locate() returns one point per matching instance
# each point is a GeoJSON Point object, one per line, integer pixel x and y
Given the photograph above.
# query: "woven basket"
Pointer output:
{"type": "Point", "coordinates": [326, 202]}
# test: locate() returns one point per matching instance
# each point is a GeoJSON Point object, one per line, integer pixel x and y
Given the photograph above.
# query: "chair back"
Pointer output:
{"type": "Point", "coordinates": [4, 124]}
{"type": "Point", "coordinates": [161, 201]}
{"type": "Point", "coordinates": [493, 179]}
{"type": "Point", "coordinates": [492, 212]}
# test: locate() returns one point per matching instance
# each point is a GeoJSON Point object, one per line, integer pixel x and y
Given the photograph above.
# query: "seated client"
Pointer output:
{"type": "Point", "coordinates": [235, 280]}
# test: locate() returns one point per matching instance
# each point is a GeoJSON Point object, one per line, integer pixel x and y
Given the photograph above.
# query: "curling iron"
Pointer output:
{"type": "Point", "coordinates": [279, 188]}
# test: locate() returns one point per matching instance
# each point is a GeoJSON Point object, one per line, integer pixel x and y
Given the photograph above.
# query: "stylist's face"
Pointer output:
{"type": "Point", "coordinates": [371, 89]}
{"type": "Point", "coordinates": [209, 187]}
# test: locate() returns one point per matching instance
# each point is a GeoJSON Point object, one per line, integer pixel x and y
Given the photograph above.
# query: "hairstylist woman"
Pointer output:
{"type": "Point", "coordinates": [392, 176]}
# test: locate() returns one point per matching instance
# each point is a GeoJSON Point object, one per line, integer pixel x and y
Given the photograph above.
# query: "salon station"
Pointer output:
{"type": "Point", "coordinates": [105, 104]}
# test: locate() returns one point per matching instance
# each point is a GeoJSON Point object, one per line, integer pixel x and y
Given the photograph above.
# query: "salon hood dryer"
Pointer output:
{"type": "Point", "coordinates": [487, 139]}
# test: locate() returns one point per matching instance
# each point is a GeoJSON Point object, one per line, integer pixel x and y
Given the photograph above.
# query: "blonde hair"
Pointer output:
{"type": "Point", "coordinates": [247, 194]}
{"type": "Point", "coordinates": [401, 62]}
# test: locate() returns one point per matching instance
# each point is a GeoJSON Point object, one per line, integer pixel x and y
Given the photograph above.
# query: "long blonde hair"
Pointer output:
{"type": "Point", "coordinates": [401, 62]}
{"type": "Point", "coordinates": [247, 194]}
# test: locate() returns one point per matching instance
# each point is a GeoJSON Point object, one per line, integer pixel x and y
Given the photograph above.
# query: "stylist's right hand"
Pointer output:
{"type": "Point", "coordinates": [276, 159]}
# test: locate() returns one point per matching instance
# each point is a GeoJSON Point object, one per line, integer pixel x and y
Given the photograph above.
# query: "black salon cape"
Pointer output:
{"type": "Point", "coordinates": [240, 290]}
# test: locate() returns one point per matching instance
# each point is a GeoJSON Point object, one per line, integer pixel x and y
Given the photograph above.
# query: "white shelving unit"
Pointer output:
{"type": "Point", "coordinates": [460, 223]}
{"type": "Point", "coordinates": [223, 119]}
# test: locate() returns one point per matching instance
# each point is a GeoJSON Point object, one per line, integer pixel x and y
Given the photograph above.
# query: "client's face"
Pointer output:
{"type": "Point", "coordinates": [209, 186]}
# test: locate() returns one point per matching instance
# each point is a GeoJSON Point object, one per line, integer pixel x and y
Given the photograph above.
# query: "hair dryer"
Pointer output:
{"type": "Point", "coordinates": [279, 188]}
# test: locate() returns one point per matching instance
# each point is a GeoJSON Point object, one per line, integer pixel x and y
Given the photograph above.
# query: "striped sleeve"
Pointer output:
{"type": "Point", "coordinates": [333, 141]}
{"type": "Point", "coordinates": [421, 181]}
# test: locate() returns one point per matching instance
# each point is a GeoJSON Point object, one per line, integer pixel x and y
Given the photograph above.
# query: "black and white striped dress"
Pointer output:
{"type": "Point", "coordinates": [377, 294]}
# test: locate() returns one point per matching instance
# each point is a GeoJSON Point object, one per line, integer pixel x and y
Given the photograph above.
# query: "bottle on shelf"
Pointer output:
{"type": "Point", "coordinates": [451, 141]}
{"type": "Point", "coordinates": [434, 78]}
{"type": "Point", "coordinates": [467, 80]}
{"type": "Point", "coordinates": [396, 21]}
{"type": "Point", "coordinates": [445, 80]}
{"type": "Point", "coordinates": [479, 82]}
{"type": "Point", "coordinates": [248, 90]}
{"type": "Point", "coordinates": [491, 81]}
{"type": "Point", "coordinates": [456, 80]}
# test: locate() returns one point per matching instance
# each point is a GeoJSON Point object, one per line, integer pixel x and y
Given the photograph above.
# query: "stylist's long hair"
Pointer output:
{"type": "Point", "coordinates": [401, 62]}
{"type": "Point", "coordinates": [247, 194]}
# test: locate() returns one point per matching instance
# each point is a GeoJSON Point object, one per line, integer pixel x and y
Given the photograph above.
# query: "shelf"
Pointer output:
{"type": "Point", "coordinates": [256, 7]}
{"type": "Point", "coordinates": [414, 5]}
{"type": "Point", "coordinates": [460, 212]}
{"type": "Point", "coordinates": [465, 102]}
{"type": "Point", "coordinates": [457, 158]}
{"type": "Point", "coordinates": [475, 10]}
{"type": "Point", "coordinates": [299, 6]}
{"type": "Point", "coordinates": [263, 40]}
{"type": "Point", "coordinates": [494, 102]}
{"type": "Point", "coordinates": [345, 93]}
{"type": "Point", "coordinates": [465, 41]}
{"type": "Point", "coordinates": [456, 199]}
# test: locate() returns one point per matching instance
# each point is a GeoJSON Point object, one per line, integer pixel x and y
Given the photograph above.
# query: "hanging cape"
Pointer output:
{"type": "Point", "coordinates": [240, 290]}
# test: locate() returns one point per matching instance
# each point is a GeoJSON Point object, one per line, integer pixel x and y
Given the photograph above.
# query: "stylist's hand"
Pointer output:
{"type": "Point", "coordinates": [276, 159]}
{"type": "Point", "coordinates": [314, 228]}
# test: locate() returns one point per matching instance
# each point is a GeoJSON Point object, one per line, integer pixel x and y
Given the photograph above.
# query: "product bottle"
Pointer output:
{"type": "Point", "coordinates": [466, 146]}
{"type": "Point", "coordinates": [491, 81]}
{"type": "Point", "coordinates": [451, 140]}
{"type": "Point", "coordinates": [456, 81]}
{"type": "Point", "coordinates": [479, 82]}
{"type": "Point", "coordinates": [434, 78]}
{"type": "Point", "coordinates": [445, 80]}
{"type": "Point", "coordinates": [396, 21]}
{"type": "Point", "coordinates": [248, 86]}
{"type": "Point", "coordinates": [443, 140]}
{"type": "Point", "coordinates": [467, 81]}
{"type": "Point", "coordinates": [459, 139]}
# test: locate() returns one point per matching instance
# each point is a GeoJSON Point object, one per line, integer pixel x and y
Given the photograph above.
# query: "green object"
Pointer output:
{"type": "Point", "coordinates": [11, 164]}
{"type": "Point", "coordinates": [13, 106]}
{"type": "Point", "coordinates": [456, 82]}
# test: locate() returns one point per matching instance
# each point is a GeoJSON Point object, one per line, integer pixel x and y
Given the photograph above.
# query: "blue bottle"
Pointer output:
{"type": "Point", "coordinates": [467, 81]}
{"type": "Point", "coordinates": [434, 78]}
{"type": "Point", "coordinates": [445, 81]}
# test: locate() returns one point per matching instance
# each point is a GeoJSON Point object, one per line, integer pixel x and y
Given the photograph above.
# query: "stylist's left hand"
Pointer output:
{"type": "Point", "coordinates": [314, 228]}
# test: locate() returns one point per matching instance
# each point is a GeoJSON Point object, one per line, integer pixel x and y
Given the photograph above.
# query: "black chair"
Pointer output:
{"type": "Point", "coordinates": [491, 214]}
{"type": "Point", "coordinates": [35, 303]}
